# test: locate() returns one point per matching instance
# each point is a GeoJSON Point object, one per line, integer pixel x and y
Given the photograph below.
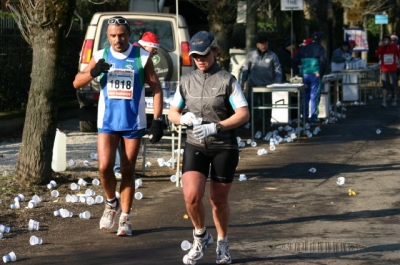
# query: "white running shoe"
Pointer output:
{"type": "Point", "coordinates": [108, 219]}
{"type": "Point", "coordinates": [223, 255]}
{"type": "Point", "coordinates": [124, 228]}
{"type": "Point", "coordinates": [199, 246]}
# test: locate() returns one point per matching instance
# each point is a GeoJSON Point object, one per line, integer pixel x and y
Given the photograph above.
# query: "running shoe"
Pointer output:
{"type": "Point", "coordinates": [199, 246]}
{"type": "Point", "coordinates": [383, 105]}
{"type": "Point", "coordinates": [124, 228]}
{"type": "Point", "coordinates": [108, 219]}
{"type": "Point", "coordinates": [223, 255]}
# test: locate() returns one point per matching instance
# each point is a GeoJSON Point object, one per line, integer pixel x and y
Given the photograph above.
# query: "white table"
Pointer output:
{"type": "Point", "coordinates": [289, 88]}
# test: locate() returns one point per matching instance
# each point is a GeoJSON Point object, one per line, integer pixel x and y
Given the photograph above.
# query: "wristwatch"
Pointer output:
{"type": "Point", "coordinates": [219, 127]}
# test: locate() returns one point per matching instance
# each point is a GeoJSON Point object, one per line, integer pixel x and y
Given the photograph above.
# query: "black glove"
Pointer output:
{"type": "Point", "coordinates": [156, 131]}
{"type": "Point", "coordinates": [100, 67]}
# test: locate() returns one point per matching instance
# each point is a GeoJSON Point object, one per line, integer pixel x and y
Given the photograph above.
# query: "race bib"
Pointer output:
{"type": "Point", "coordinates": [120, 84]}
{"type": "Point", "coordinates": [388, 59]}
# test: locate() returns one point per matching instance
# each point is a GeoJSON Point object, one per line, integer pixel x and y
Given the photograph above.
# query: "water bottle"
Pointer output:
{"type": "Point", "coordinates": [59, 161]}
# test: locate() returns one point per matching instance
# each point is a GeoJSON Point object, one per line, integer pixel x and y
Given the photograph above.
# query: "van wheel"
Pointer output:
{"type": "Point", "coordinates": [163, 65]}
{"type": "Point", "coordinates": [88, 126]}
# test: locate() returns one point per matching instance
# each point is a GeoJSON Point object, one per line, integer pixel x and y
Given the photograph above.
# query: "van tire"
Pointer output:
{"type": "Point", "coordinates": [163, 65]}
{"type": "Point", "coordinates": [88, 126]}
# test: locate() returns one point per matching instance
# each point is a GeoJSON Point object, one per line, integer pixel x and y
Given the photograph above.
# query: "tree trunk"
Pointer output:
{"type": "Point", "coordinates": [43, 28]}
{"type": "Point", "coordinates": [221, 18]}
{"type": "Point", "coordinates": [251, 25]}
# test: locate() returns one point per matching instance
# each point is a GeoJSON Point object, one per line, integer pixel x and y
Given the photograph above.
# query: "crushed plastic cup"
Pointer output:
{"type": "Point", "coordinates": [94, 156]}
{"type": "Point", "coordinates": [10, 257]}
{"type": "Point", "coordinates": [147, 164]}
{"type": "Point", "coordinates": [90, 192]}
{"type": "Point", "coordinates": [258, 135]}
{"type": "Point", "coordinates": [340, 180]}
{"type": "Point", "coordinates": [75, 186]}
{"type": "Point", "coordinates": [161, 162]}
{"type": "Point", "coordinates": [36, 198]}
{"type": "Point", "coordinates": [378, 131]}
{"type": "Point", "coordinates": [19, 198]}
{"type": "Point", "coordinates": [138, 195]}
{"type": "Point", "coordinates": [84, 215]}
{"type": "Point", "coordinates": [34, 240]}
{"type": "Point", "coordinates": [186, 245]}
{"type": "Point", "coordinates": [186, 260]}
{"type": "Point", "coordinates": [95, 182]}
{"type": "Point", "coordinates": [86, 163]}
{"type": "Point", "coordinates": [4, 229]}
{"type": "Point", "coordinates": [173, 178]}
{"type": "Point", "coordinates": [82, 182]}
{"type": "Point", "coordinates": [242, 177]}
{"type": "Point", "coordinates": [33, 225]}
{"type": "Point", "coordinates": [312, 170]}
{"type": "Point", "coordinates": [71, 163]}
{"type": "Point", "coordinates": [262, 151]}
{"type": "Point", "coordinates": [89, 200]}
{"type": "Point", "coordinates": [98, 199]}
{"type": "Point", "coordinates": [32, 204]}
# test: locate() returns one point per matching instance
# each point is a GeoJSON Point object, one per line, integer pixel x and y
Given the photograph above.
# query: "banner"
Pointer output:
{"type": "Point", "coordinates": [359, 36]}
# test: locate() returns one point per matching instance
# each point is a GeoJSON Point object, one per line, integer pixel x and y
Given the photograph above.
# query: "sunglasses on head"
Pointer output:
{"type": "Point", "coordinates": [114, 20]}
{"type": "Point", "coordinates": [196, 56]}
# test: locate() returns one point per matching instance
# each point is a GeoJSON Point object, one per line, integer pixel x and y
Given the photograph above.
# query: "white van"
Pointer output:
{"type": "Point", "coordinates": [170, 63]}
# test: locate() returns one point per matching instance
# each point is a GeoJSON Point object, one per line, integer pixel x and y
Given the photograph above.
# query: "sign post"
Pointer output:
{"type": "Point", "coordinates": [291, 5]}
{"type": "Point", "coordinates": [381, 19]}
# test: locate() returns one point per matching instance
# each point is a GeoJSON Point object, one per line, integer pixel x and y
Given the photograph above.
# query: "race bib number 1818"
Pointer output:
{"type": "Point", "coordinates": [120, 84]}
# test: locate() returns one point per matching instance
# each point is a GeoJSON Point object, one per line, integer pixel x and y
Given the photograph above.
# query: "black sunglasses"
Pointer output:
{"type": "Point", "coordinates": [196, 56]}
{"type": "Point", "coordinates": [114, 20]}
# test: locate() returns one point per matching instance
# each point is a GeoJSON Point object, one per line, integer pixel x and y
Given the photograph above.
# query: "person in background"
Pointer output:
{"type": "Point", "coordinates": [388, 54]}
{"type": "Point", "coordinates": [285, 58]}
{"type": "Point", "coordinates": [352, 45]}
{"type": "Point", "coordinates": [211, 151]}
{"type": "Point", "coordinates": [261, 68]}
{"type": "Point", "coordinates": [150, 43]}
{"type": "Point", "coordinates": [121, 115]}
{"type": "Point", "coordinates": [313, 66]}
{"type": "Point", "coordinates": [340, 56]}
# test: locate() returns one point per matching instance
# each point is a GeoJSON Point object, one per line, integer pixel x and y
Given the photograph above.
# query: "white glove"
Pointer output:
{"type": "Point", "coordinates": [187, 119]}
{"type": "Point", "coordinates": [202, 131]}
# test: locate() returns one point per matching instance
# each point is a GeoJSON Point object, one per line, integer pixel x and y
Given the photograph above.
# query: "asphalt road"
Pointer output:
{"type": "Point", "coordinates": [283, 213]}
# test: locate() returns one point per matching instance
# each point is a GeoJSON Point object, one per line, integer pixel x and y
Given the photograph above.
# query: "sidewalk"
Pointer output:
{"type": "Point", "coordinates": [283, 214]}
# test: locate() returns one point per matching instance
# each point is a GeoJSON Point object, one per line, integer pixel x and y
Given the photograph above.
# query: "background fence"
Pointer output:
{"type": "Point", "coordinates": [16, 66]}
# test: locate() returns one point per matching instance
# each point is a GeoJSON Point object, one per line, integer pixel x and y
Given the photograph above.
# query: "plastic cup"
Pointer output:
{"type": "Point", "coordinates": [186, 245]}
{"type": "Point", "coordinates": [161, 162]}
{"type": "Point", "coordinates": [147, 164]}
{"type": "Point", "coordinates": [138, 195]}
{"type": "Point", "coordinates": [32, 204]}
{"type": "Point", "coordinates": [249, 141]}
{"type": "Point", "coordinates": [86, 163]}
{"type": "Point", "coordinates": [82, 182]}
{"type": "Point", "coordinates": [89, 200]}
{"type": "Point", "coordinates": [117, 195]}
{"type": "Point", "coordinates": [10, 257]}
{"type": "Point", "coordinates": [33, 225]}
{"type": "Point", "coordinates": [74, 198]}
{"type": "Point", "coordinates": [34, 240]}
{"type": "Point", "coordinates": [272, 147]}
{"type": "Point", "coordinates": [36, 198]}
{"type": "Point", "coordinates": [65, 213]}
{"type": "Point", "coordinates": [262, 151]}
{"type": "Point", "coordinates": [19, 198]}
{"type": "Point", "coordinates": [378, 131]}
{"type": "Point", "coordinates": [15, 205]}
{"type": "Point", "coordinates": [75, 186]}
{"type": "Point", "coordinates": [99, 199]}
{"type": "Point", "coordinates": [312, 170]}
{"type": "Point", "coordinates": [82, 199]}
{"type": "Point", "coordinates": [55, 193]}
{"type": "Point", "coordinates": [90, 192]}
{"type": "Point", "coordinates": [242, 177]}
{"type": "Point", "coordinates": [58, 212]}
{"type": "Point", "coordinates": [173, 178]}
{"type": "Point", "coordinates": [4, 229]}
{"type": "Point", "coordinates": [340, 180]}
{"type": "Point", "coordinates": [84, 215]}
{"type": "Point", "coordinates": [1, 235]}
{"type": "Point", "coordinates": [140, 182]}
{"type": "Point", "coordinates": [95, 182]}
{"type": "Point", "coordinates": [71, 163]}
{"type": "Point", "coordinates": [94, 156]}
{"type": "Point", "coordinates": [253, 144]}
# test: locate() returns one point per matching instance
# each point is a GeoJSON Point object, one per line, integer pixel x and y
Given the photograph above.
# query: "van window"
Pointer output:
{"type": "Point", "coordinates": [162, 29]}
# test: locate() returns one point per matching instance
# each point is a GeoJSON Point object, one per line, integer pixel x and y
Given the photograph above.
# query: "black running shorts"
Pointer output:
{"type": "Point", "coordinates": [223, 162]}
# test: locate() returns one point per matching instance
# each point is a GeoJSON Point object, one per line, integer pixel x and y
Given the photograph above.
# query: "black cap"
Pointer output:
{"type": "Point", "coordinates": [262, 37]}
